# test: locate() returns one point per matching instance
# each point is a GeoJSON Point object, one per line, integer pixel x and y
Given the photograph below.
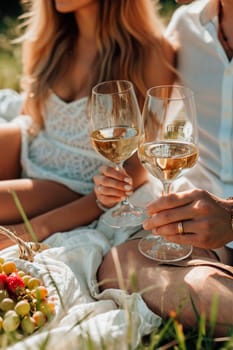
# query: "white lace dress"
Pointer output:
{"type": "Point", "coordinates": [62, 151]}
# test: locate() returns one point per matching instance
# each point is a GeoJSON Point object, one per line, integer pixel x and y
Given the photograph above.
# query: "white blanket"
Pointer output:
{"type": "Point", "coordinates": [111, 319]}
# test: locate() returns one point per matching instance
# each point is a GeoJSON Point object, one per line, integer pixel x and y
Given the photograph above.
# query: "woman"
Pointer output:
{"type": "Point", "coordinates": [68, 47]}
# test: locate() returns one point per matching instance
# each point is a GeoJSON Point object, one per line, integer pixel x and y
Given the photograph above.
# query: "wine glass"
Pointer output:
{"type": "Point", "coordinates": [167, 149]}
{"type": "Point", "coordinates": [115, 129]}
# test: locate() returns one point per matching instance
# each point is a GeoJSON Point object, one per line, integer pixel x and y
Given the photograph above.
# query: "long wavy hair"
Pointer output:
{"type": "Point", "coordinates": [126, 30]}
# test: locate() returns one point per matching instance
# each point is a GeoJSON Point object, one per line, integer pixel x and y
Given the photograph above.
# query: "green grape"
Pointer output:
{"type": "Point", "coordinates": [21, 273]}
{"type": "Point", "coordinates": [33, 283]}
{"type": "Point", "coordinates": [7, 304]}
{"type": "Point", "coordinates": [26, 279]}
{"type": "Point", "coordinates": [22, 308]}
{"type": "Point", "coordinates": [28, 325]}
{"type": "Point", "coordinates": [11, 321]}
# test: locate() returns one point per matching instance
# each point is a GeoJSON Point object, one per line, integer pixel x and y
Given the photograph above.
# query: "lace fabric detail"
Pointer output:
{"type": "Point", "coordinates": [62, 150]}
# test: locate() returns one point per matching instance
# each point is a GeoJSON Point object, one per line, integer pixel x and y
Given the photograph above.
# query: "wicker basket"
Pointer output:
{"type": "Point", "coordinates": [27, 251]}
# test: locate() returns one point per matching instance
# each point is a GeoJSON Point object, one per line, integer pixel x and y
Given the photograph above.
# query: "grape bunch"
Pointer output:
{"type": "Point", "coordinates": [24, 302]}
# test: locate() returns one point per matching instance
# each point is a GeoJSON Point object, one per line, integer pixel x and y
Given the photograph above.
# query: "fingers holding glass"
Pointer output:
{"type": "Point", "coordinates": [167, 149]}
{"type": "Point", "coordinates": [206, 218]}
{"type": "Point", "coordinates": [115, 128]}
{"type": "Point", "coordinates": [112, 186]}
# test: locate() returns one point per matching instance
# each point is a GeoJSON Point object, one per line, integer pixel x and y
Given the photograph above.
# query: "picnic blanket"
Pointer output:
{"type": "Point", "coordinates": [109, 320]}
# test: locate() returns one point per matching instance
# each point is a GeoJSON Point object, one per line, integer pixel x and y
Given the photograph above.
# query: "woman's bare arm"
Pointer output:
{"type": "Point", "coordinates": [10, 148]}
{"type": "Point", "coordinates": [77, 213]}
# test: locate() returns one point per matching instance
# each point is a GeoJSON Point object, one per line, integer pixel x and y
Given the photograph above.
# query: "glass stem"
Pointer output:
{"type": "Point", "coordinates": [120, 167]}
{"type": "Point", "coordinates": [166, 188]}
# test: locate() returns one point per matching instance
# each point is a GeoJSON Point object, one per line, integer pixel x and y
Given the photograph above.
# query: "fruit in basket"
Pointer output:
{"type": "Point", "coordinates": [3, 279]}
{"type": "Point", "coordinates": [14, 283]}
{"type": "Point", "coordinates": [33, 282]}
{"type": "Point", "coordinates": [24, 302]}
{"type": "Point", "coordinates": [25, 278]}
{"type": "Point", "coordinates": [3, 294]}
{"type": "Point", "coordinates": [9, 267]}
{"type": "Point", "coordinates": [7, 304]}
{"type": "Point", "coordinates": [11, 321]}
{"type": "Point", "coordinates": [47, 307]}
{"type": "Point", "coordinates": [28, 325]}
{"type": "Point", "coordinates": [39, 318]}
{"type": "Point", "coordinates": [22, 308]}
{"type": "Point", "coordinates": [40, 292]}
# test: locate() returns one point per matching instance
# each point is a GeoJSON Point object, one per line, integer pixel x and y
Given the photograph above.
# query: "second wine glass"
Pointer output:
{"type": "Point", "coordinates": [115, 129]}
{"type": "Point", "coordinates": [168, 148]}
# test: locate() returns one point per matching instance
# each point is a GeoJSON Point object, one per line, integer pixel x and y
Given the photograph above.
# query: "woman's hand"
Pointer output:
{"type": "Point", "coordinates": [206, 219]}
{"type": "Point", "coordinates": [112, 186]}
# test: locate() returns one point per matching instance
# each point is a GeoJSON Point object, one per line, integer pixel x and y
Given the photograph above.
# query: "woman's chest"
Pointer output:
{"type": "Point", "coordinates": [66, 122]}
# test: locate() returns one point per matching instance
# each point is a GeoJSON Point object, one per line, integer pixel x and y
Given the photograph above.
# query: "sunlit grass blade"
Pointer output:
{"type": "Point", "coordinates": [180, 335]}
{"type": "Point", "coordinates": [195, 309]}
{"type": "Point", "coordinates": [84, 318]}
{"type": "Point", "coordinates": [90, 344]}
{"type": "Point", "coordinates": [44, 343]}
{"type": "Point", "coordinates": [56, 288]}
{"type": "Point", "coordinates": [213, 315]}
{"type": "Point", "coordinates": [201, 332]}
{"type": "Point", "coordinates": [24, 217]}
{"type": "Point", "coordinates": [158, 338]}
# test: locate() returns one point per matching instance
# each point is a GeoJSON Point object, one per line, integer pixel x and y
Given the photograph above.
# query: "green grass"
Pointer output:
{"type": "Point", "coordinates": [167, 9]}
{"type": "Point", "coordinates": [9, 72]}
{"type": "Point", "coordinates": [10, 55]}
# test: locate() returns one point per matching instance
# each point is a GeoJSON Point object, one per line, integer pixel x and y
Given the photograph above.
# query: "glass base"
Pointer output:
{"type": "Point", "coordinates": [124, 215]}
{"type": "Point", "coordinates": [156, 248]}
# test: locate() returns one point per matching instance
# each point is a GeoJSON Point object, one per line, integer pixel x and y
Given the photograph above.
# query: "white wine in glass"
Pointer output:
{"type": "Point", "coordinates": [167, 149]}
{"type": "Point", "coordinates": [115, 129]}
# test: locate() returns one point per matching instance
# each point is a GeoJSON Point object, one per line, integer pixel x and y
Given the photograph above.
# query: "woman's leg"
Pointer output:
{"type": "Point", "coordinates": [169, 288]}
{"type": "Point", "coordinates": [36, 197]}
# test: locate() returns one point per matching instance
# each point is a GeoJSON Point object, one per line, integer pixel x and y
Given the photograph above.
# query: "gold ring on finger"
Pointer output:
{"type": "Point", "coordinates": [180, 228]}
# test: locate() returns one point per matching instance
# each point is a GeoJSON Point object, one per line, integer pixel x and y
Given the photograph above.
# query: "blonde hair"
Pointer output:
{"type": "Point", "coordinates": [127, 29]}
